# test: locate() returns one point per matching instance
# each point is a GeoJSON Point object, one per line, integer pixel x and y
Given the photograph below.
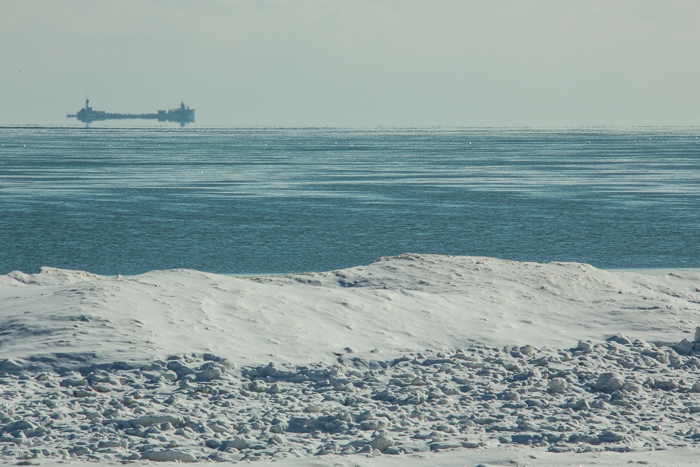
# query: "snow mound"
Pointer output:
{"type": "Point", "coordinates": [401, 304]}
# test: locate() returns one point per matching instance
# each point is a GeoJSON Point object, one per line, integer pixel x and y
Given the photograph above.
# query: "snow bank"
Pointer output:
{"type": "Point", "coordinates": [393, 306]}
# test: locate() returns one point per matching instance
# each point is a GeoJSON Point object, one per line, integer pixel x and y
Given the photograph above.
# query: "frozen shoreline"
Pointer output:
{"type": "Point", "coordinates": [499, 354]}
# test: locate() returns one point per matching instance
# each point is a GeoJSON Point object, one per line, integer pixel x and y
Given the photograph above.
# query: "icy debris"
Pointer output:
{"type": "Point", "coordinates": [558, 385]}
{"type": "Point", "coordinates": [382, 442]}
{"type": "Point", "coordinates": [148, 420]}
{"type": "Point", "coordinates": [192, 408]}
{"type": "Point", "coordinates": [609, 382]}
{"type": "Point", "coordinates": [169, 455]}
{"type": "Point", "coordinates": [235, 443]}
{"type": "Point", "coordinates": [620, 339]}
{"type": "Point", "coordinates": [587, 347]}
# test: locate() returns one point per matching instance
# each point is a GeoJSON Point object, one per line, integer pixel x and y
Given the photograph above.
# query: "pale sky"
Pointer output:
{"type": "Point", "coordinates": [355, 63]}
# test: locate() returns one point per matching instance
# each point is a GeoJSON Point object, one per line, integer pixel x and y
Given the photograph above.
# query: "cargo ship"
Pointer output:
{"type": "Point", "coordinates": [181, 115]}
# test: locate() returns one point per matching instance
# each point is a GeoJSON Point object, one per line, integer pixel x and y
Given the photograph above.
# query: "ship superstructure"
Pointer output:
{"type": "Point", "coordinates": [181, 115]}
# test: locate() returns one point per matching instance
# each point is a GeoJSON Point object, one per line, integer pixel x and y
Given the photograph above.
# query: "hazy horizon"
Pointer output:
{"type": "Point", "coordinates": [355, 64]}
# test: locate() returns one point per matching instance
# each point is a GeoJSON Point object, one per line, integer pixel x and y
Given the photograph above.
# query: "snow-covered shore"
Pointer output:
{"type": "Point", "coordinates": [407, 357]}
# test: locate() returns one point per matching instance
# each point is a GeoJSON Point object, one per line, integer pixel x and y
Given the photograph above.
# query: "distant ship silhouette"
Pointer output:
{"type": "Point", "coordinates": [181, 115]}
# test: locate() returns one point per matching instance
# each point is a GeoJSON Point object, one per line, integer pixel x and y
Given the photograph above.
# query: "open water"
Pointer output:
{"type": "Point", "coordinates": [248, 201]}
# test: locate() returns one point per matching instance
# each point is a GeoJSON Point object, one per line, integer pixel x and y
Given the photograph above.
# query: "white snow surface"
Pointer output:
{"type": "Point", "coordinates": [411, 360]}
{"type": "Point", "coordinates": [394, 305]}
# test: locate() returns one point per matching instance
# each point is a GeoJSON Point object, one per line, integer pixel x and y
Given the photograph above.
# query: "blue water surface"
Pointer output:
{"type": "Point", "coordinates": [264, 200]}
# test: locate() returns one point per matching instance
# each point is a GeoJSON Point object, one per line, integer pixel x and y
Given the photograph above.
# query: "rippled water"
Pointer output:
{"type": "Point", "coordinates": [245, 201]}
